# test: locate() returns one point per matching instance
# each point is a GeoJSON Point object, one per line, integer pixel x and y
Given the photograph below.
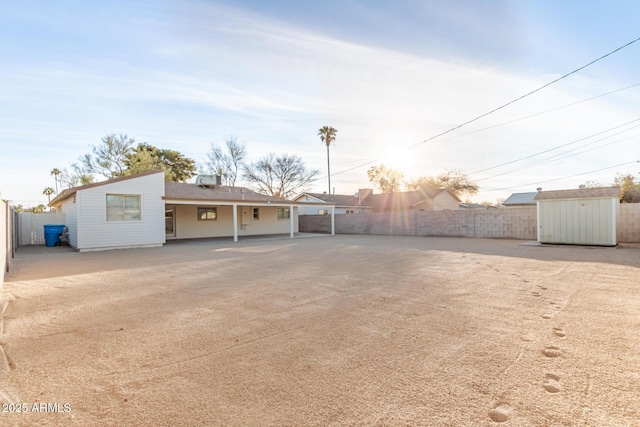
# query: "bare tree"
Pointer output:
{"type": "Point", "coordinates": [109, 158]}
{"type": "Point", "coordinates": [227, 161]}
{"type": "Point", "coordinates": [279, 176]}
{"type": "Point", "coordinates": [387, 179]}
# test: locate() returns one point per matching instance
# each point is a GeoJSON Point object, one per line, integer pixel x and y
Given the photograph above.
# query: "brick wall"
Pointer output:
{"type": "Point", "coordinates": [629, 223]}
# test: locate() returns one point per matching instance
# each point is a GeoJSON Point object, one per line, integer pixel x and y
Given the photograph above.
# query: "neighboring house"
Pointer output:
{"type": "Point", "coordinates": [425, 199]}
{"type": "Point", "coordinates": [343, 204]}
{"type": "Point", "coordinates": [584, 216]}
{"type": "Point", "coordinates": [142, 210]}
{"type": "Point", "coordinates": [520, 199]}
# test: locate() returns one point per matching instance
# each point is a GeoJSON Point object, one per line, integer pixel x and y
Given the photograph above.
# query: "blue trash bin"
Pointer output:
{"type": "Point", "coordinates": [52, 233]}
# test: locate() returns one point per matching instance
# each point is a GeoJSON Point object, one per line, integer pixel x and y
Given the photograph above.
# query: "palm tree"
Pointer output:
{"type": "Point", "coordinates": [48, 191]}
{"type": "Point", "coordinates": [56, 172]}
{"type": "Point", "coordinates": [328, 135]}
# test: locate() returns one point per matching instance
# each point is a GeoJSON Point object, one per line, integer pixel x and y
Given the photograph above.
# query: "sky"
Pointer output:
{"type": "Point", "coordinates": [388, 75]}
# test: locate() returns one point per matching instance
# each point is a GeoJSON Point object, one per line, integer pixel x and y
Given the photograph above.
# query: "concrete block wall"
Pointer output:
{"type": "Point", "coordinates": [512, 223]}
{"type": "Point", "coordinates": [629, 223]}
{"type": "Point", "coordinates": [509, 223]}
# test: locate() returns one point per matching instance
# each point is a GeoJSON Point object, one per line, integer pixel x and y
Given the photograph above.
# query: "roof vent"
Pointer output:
{"type": "Point", "coordinates": [539, 189]}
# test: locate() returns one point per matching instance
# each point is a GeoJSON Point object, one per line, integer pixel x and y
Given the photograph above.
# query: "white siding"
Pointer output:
{"type": "Point", "coordinates": [189, 227]}
{"type": "Point", "coordinates": [578, 221]}
{"type": "Point", "coordinates": [95, 232]}
{"type": "Point", "coordinates": [70, 209]}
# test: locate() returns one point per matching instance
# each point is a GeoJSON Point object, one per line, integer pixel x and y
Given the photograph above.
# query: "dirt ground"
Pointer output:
{"type": "Point", "coordinates": [345, 330]}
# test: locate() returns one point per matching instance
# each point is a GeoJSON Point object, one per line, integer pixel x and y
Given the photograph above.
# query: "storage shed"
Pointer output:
{"type": "Point", "coordinates": [585, 216]}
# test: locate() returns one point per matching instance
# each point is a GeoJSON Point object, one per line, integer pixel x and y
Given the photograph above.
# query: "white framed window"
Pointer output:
{"type": "Point", "coordinates": [284, 213]}
{"type": "Point", "coordinates": [256, 213]}
{"type": "Point", "coordinates": [123, 207]}
{"type": "Point", "coordinates": [207, 214]}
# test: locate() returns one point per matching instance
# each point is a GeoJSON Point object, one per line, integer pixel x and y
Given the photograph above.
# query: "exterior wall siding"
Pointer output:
{"type": "Point", "coordinates": [579, 221]}
{"type": "Point", "coordinates": [188, 226]}
{"type": "Point", "coordinates": [69, 209]}
{"type": "Point", "coordinates": [95, 232]}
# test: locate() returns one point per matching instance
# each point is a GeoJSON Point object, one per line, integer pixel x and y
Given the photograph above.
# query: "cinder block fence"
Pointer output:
{"type": "Point", "coordinates": [508, 223]}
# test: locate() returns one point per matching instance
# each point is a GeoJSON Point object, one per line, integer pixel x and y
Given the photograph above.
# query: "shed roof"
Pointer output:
{"type": "Point", "coordinates": [521, 199]}
{"type": "Point", "coordinates": [580, 193]}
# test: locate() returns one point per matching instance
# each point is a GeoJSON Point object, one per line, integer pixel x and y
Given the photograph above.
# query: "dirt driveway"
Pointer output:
{"type": "Point", "coordinates": [346, 330]}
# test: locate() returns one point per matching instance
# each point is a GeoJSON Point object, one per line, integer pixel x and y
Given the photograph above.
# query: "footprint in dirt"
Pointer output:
{"type": "Point", "coordinates": [500, 413]}
{"type": "Point", "coordinates": [559, 332]}
{"type": "Point", "coordinates": [546, 316]}
{"type": "Point", "coordinates": [536, 294]}
{"type": "Point", "coordinates": [552, 383]}
{"type": "Point", "coordinates": [552, 351]}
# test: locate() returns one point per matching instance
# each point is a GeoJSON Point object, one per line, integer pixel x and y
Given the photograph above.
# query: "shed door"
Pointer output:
{"type": "Point", "coordinates": [580, 222]}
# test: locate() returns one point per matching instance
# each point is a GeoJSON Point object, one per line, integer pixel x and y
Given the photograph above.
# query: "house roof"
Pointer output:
{"type": "Point", "coordinates": [66, 193]}
{"type": "Point", "coordinates": [338, 199]}
{"type": "Point", "coordinates": [405, 199]}
{"type": "Point", "coordinates": [521, 199]}
{"type": "Point", "coordinates": [579, 193]}
{"type": "Point", "coordinates": [223, 193]}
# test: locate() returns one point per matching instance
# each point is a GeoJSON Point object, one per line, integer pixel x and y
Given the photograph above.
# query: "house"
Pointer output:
{"type": "Point", "coordinates": [144, 211]}
{"type": "Point", "coordinates": [520, 199]}
{"type": "Point", "coordinates": [425, 199]}
{"type": "Point", "coordinates": [344, 204]}
{"type": "Point", "coordinates": [584, 216]}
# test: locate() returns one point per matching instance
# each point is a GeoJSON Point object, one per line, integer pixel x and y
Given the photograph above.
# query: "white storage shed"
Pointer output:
{"type": "Point", "coordinates": [585, 216]}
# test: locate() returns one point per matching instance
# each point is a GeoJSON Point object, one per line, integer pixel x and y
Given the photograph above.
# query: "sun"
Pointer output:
{"type": "Point", "coordinates": [399, 159]}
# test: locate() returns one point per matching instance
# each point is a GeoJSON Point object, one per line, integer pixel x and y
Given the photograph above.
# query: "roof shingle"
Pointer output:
{"type": "Point", "coordinates": [579, 193]}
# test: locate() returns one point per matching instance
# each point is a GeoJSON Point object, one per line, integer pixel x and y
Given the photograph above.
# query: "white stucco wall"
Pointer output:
{"type": "Point", "coordinates": [444, 201]}
{"type": "Point", "coordinates": [94, 232]}
{"type": "Point", "coordinates": [188, 226]}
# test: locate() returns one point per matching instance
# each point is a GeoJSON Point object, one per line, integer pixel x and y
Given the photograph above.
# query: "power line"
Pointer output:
{"type": "Point", "coordinates": [502, 106]}
{"type": "Point", "coordinates": [565, 177]}
{"type": "Point", "coordinates": [554, 148]}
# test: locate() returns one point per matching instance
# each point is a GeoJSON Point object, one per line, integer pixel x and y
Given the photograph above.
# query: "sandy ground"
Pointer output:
{"type": "Point", "coordinates": [346, 330]}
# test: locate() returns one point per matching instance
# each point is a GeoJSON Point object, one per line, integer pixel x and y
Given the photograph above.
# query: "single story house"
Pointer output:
{"type": "Point", "coordinates": [425, 199]}
{"type": "Point", "coordinates": [344, 204]}
{"type": "Point", "coordinates": [143, 210]}
{"type": "Point", "coordinates": [520, 199]}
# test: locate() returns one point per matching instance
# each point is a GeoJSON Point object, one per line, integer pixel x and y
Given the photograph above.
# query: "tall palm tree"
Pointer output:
{"type": "Point", "coordinates": [328, 135]}
{"type": "Point", "coordinates": [56, 172]}
{"type": "Point", "coordinates": [48, 191]}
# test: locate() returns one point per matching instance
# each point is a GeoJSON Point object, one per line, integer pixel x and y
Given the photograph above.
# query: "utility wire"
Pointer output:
{"type": "Point", "coordinates": [563, 155]}
{"type": "Point", "coordinates": [554, 148]}
{"type": "Point", "coordinates": [564, 177]}
{"type": "Point", "coordinates": [502, 106]}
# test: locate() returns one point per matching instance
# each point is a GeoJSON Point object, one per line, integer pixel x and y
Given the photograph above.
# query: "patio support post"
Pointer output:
{"type": "Point", "coordinates": [235, 222]}
{"type": "Point", "coordinates": [291, 220]}
{"type": "Point", "coordinates": [333, 220]}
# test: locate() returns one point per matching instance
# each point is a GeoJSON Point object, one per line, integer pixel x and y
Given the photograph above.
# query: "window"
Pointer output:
{"type": "Point", "coordinates": [207, 214]}
{"type": "Point", "coordinates": [323, 212]}
{"type": "Point", "coordinates": [256, 213]}
{"type": "Point", "coordinates": [284, 213]}
{"type": "Point", "coordinates": [123, 207]}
